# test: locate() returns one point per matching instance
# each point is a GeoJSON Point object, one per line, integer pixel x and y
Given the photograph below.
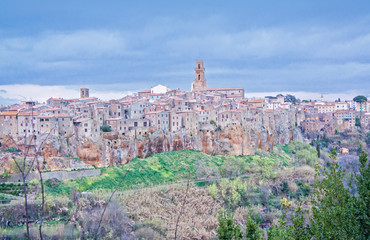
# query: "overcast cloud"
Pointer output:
{"type": "Point", "coordinates": [118, 48]}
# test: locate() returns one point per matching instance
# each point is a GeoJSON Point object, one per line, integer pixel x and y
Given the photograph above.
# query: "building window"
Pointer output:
{"type": "Point", "coordinates": [198, 66]}
{"type": "Point", "coordinates": [135, 124]}
{"type": "Point", "coordinates": [199, 77]}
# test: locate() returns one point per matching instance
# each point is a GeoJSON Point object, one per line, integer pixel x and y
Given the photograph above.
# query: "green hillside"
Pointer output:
{"type": "Point", "coordinates": [177, 166]}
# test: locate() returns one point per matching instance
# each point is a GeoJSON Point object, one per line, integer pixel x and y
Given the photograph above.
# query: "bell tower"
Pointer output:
{"type": "Point", "coordinates": [199, 81]}
{"type": "Point", "coordinates": [84, 92]}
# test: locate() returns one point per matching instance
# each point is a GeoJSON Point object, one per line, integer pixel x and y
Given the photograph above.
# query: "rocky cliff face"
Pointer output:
{"type": "Point", "coordinates": [263, 132]}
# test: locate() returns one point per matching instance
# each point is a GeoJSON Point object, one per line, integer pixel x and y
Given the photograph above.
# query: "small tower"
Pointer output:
{"type": "Point", "coordinates": [199, 81]}
{"type": "Point", "coordinates": [84, 92]}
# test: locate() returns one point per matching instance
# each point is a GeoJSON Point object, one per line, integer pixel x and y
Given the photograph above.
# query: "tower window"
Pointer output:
{"type": "Point", "coordinates": [199, 77]}
{"type": "Point", "coordinates": [198, 66]}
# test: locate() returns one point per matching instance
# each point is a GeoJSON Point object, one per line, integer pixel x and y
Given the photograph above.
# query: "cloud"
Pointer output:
{"type": "Point", "coordinates": [299, 57]}
{"type": "Point", "coordinates": [11, 94]}
{"type": "Point", "coordinates": [285, 42]}
{"type": "Point", "coordinates": [349, 95]}
{"type": "Point", "coordinates": [21, 92]}
{"type": "Point", "coordinates": [63, 49]}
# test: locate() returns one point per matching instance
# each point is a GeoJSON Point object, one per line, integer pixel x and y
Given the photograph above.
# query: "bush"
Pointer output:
{"type": "Point", "coordinates": [115, 223]}
{"type": "Point", "coordinates": [227, 228]}
{"type": "Point", "coordinates": [106, 128]}
{"type": "Point", "coordinates": [5, 175]}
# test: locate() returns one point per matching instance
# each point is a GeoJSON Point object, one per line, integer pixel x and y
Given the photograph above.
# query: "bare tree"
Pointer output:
{"type": "Point", "coordinates": [182, 207]}
{"type": "Point", "coordinates": [24, 170]}
{"type": "Point", "coordinates": [37, 153]}
{"type": "Point", "coordinates": [105, 207]}
{"type": "Point", "coordinates": [77, 206]}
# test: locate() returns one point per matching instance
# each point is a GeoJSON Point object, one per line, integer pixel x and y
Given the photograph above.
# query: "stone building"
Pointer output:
{"type": "Point", "coordinates": [87, 128]}
{"type": "Point", "coordinates": [137, 109]}
{"type": "Point", "coordinates": [65, 124]}
{"type": "Point", "coordinates": [27, 123]}
{"type": "Point", "coordinates": [116, 110]}
{"type": "Point", "coordinates": [84, 92]}
{"type": "Point", "coordinates": [163, 121]}
{"type": "Point", "coordinates": [9, 123]}
{"type": "Point", "coordinates": [230, 118]}
{"type": "Point", "coordinates": [175, 122]}
{"type": "Point", "coordinates": [200, 85]}
{"type": "Point", "coordinates": [47, 124]}
{"type": "Point", "coordinates": [101, 114]}
{"type": "Point", "coordinates": [200, 82]}
{"type": "Point", "coordinates": [189, 121]}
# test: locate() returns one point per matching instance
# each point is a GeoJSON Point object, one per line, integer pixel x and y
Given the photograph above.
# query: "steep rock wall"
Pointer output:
{"type": "Point", "coordinates": [263, 132]}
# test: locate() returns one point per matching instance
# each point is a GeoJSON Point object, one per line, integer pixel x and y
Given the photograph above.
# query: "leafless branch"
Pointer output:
{"type": "Point", "coordinates": [182, 207]}
{"type": "Point", "coordinates": [105, 208]}
{"type": "Point", "coordinates": [77, 206]}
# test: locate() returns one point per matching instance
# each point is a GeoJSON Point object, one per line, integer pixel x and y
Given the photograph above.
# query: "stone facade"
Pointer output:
{"type": "Point", "coordinates": [200, 81]}
{"type": "Point", "coordinates": [84, 92]}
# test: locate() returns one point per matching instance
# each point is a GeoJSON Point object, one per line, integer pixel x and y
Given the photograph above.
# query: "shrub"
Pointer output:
{"type": "Point", "coordinates": [115, 223]}
{"type": "Point", "coordinates": [227, 229]}
{"type": "Point", "coordinates": [106, 128]}
{"type": "Point", "coordinates": [5, 174]}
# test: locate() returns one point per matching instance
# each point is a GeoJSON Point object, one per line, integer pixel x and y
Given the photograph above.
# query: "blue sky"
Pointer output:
{"type": "Point", "coordinates": [116, 47]}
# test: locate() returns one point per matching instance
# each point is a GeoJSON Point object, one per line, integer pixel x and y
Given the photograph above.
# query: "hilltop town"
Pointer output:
{"type": "Point", "coordinates": [214, 120]}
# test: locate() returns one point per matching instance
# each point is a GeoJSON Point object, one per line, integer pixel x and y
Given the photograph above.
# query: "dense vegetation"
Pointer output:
{"type": "Point", "coordinates": [177, 166]}
{"type": "Point", "coordinates": [267, 193]}
{"type": "Point", "coordinates": [335, 212]}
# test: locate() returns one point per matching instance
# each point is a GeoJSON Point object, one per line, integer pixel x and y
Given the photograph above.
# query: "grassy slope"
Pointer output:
{"type": "Point", "coordinates": [168, 167]}
{"type": "Point", "coordinates": [171, 167]}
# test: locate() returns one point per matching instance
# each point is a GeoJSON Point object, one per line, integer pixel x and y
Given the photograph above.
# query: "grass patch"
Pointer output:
{"type": "Point", "coordinates": [176, 166]}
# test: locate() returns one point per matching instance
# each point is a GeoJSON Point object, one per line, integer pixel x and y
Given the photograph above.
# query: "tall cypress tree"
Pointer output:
{"type": "Point", "coordinates": [363, 200]}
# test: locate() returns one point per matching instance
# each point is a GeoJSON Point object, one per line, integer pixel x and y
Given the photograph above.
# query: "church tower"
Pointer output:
{"type": "Point", "coordinates": [84, 92]}
{"type": "Point", "coordinates": [199, 82]}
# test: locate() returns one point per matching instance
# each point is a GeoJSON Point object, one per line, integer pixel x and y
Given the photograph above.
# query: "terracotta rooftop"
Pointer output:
{"type": "Point", "coordinates": [221, 89]}
{"type": "Point", "coordinates": [28, 114]}
{"type": "Point", "coordinates": [256, 100]}
{"type": "Point", "coordinates": [8, 113]}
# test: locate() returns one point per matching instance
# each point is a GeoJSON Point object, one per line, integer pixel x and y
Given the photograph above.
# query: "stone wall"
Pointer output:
{"type": "Point", "coordinates": [60, 175]}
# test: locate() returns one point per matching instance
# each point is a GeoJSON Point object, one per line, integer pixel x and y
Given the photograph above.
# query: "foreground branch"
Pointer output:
{"type": "Point", "coordinates": [182, 207]}
{"type": "Point", "coordinates": [106, 205]}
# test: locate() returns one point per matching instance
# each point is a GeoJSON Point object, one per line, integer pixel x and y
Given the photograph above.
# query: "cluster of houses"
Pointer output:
{"type": "Point", "coordinates": [335, 116]}
{"type": "Point", "coordinates": [163, 109]}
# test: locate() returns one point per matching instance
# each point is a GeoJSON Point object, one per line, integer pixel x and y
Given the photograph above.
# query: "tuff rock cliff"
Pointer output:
{"type": "Point", "coordinates": [263, 132]}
